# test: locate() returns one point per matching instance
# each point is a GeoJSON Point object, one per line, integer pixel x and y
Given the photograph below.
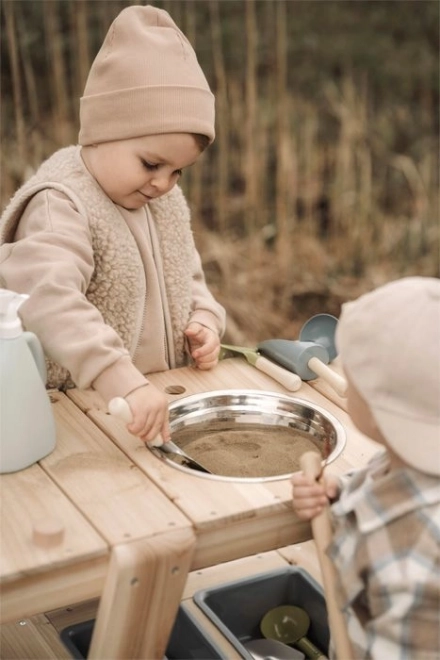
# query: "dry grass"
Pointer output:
{"type": "Point", "coordinates": [261, 303]}
{"type": "Point", "coordinates": [297, 207]}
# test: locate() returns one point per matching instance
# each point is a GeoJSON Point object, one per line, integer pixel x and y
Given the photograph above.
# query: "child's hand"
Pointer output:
{"type": "Point", "coordinates": [310, 497]}
{"type": "Point", "coordinates": [204, 345]}
{"type": "Point", "coordinates": [149, 407]}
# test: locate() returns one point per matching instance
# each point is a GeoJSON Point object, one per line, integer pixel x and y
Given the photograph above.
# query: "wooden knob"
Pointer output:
{"type": "Point", "coordinates": [48, 533]}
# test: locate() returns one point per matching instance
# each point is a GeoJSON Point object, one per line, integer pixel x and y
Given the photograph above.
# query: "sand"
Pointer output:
{"type": "Point", "coordinates": [251, 453]}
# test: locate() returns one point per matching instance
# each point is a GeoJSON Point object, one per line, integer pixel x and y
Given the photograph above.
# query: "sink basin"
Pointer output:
{"type": "Point", "coordinates": [251, 435]}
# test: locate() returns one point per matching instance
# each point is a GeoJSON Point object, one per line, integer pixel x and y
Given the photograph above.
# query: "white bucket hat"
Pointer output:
{"type": "Point", "coordinates": [389, 342]}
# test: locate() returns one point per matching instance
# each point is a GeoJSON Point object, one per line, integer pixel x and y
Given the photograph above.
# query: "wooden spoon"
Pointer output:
{"type": "Point", "coordinates": [120, 408]}
{"type": "Point", "coordinates": [322, 533]}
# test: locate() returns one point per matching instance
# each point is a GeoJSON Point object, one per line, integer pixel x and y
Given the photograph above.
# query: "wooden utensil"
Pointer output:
{"type": "Point", "coordinates": [289, 624]}
{"type": "Point", "coordinates": [120, 408]}
{"type": "Point", "coordinates": [322, 533]}
{"type": "Point", "coordinates": [289, 380]}
{"type": "Point", "coordinates": [304, 358]}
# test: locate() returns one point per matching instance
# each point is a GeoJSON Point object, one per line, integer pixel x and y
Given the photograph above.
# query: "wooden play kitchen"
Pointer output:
{"type": "Point", "coordinates": [104, 517]}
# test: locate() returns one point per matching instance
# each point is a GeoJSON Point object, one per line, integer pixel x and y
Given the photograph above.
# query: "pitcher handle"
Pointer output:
{"type": "Point", "coordinates": [37, 353]}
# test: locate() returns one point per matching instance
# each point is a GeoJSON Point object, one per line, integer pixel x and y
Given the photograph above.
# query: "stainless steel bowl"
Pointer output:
{"type": "Point", "coordinates": [212, 414]}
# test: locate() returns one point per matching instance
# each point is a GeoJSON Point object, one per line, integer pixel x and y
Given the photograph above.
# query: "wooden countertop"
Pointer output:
{"type": "Point", "coordinates": [133, 525]}
{"type": "Point", "coordinates": [243, 509]}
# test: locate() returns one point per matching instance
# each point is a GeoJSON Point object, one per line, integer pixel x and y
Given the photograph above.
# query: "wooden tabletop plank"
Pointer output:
{"type": "Point", "coordinates": [38, 571]}
{"type": "Point", "coordinates": [230, 571]}
{"type": "Point", "coordinates": [32, 639]}
{"type": "Point", "coordinates": [117, 497]}
{"type": "Point", "coordinates": [257, 516]}
{"type": "Point", "coordinates": [304, 555]}
{"type": "Point", "coordinates": [29, 498]}
{"type": "Point", "coordinates": [53, 588]}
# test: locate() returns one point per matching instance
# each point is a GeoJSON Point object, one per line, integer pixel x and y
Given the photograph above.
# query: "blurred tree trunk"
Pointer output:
{"type": "Point", "coordinates": [106, 16]}
{"type": "Point", "coordinates": [222, 114]}
{"type": "Point", "coordinates": [10, 22]}
{"type": "Point", "coordinates": [80, 54]}
{"type": "Point", "coordinates": [342, 103]}
{"type": "Point", "coordinates": [35, 155]}
{"type": "Point", "coordinates": [309, 165]}
{"type": "Point", "coordinates": [58, 75]}
{"type": "Point", "coordinates": [174, 9]}
{"type": "Point", "coordinates": [195, 173]}
{"type": "Point", "coordinates": [285, 150]}
{"type": "Point", "coordinates": [251, 168]}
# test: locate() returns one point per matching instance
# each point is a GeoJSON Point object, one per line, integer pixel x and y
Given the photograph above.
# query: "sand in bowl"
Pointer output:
{"type": "Point", "coordinates": [251, 452]}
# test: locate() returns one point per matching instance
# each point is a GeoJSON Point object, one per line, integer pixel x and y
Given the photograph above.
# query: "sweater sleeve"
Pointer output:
{"type": "Point", "coordinates": [204, 308]}
{"type": "Point", "coordinates": [51, 259]}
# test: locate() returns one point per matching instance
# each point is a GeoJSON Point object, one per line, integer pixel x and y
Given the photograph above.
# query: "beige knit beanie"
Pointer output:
{"type": "Point", "coordinates": [145, 80]}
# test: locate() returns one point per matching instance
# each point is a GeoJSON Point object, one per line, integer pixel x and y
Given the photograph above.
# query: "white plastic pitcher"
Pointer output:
{"type": "Point", "coordinates": [27, 426]}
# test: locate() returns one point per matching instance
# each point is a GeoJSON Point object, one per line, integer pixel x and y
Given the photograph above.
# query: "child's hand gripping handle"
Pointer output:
{"type": "Point", "coordinates": [288, 379]}
{"type": "Point", "coordinates": [322, 533]}
{"type": "Point", "coordinates": [336, 381]}
{"type": "Point", "coordinates": [120, 408]}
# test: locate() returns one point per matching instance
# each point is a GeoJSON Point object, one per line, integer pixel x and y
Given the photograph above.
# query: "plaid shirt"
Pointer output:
{"type": "Point", "coordinates": [386, 551]}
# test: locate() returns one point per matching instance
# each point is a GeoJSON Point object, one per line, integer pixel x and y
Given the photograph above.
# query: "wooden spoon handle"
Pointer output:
{"type": "Point", "coordinates": [288, 379]}
{"type": "Point", "coordinates": [309, 649]}
{"type": "Point", "coordinates": [337, 382]}
{"type": "Point", "coordinates": [120, 408]}
{"type": "Point", "coordinates": [322, 533]}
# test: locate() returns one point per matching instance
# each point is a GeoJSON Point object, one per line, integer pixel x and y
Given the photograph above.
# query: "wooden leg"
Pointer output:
{"type": "Point", "coordinates": [141, 596]}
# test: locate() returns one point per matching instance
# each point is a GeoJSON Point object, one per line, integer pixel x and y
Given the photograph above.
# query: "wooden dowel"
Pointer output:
{"type": "Point", "coordinates": [310, 463]}
{"type": "Point", "coordinates": [337, 382]}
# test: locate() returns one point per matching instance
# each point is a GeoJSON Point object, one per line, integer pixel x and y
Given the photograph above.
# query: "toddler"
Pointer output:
{"type": "Point", "coordinates": [387, 516]}
{"type": "Point", "coordinates": [100, 236]}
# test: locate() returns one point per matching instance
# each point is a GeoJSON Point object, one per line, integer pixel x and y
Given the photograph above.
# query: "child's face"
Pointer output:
{"type": "Point", "coordinates": [135, 171]}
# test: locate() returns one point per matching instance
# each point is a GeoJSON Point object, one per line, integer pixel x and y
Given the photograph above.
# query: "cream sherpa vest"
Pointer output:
{"type": "Point", "coordinates": [118, 285]}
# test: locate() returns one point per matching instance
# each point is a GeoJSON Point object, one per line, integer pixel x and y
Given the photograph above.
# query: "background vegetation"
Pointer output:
{"type": "Point", "coordinates": [323, 181]}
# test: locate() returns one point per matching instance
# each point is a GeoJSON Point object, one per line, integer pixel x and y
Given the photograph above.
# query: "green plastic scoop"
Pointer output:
{"type": "Point", "coordinates": [289, 624]}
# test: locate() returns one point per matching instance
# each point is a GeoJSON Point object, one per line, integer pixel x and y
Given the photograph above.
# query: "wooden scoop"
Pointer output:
{"type": "Point", "coordinates": [322, 533]}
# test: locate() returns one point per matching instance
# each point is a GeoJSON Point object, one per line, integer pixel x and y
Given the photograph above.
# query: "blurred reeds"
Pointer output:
{"type": "Point", "coordinates": [315, 190]}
